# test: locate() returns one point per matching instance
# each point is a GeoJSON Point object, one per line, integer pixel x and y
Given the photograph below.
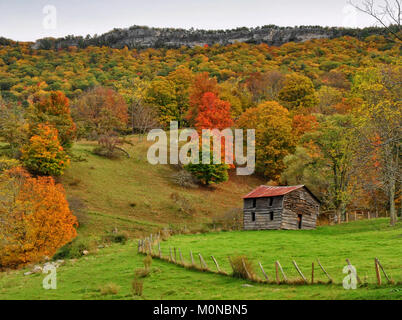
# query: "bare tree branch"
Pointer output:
{"type": "Point", "coordinates": [388, 15]}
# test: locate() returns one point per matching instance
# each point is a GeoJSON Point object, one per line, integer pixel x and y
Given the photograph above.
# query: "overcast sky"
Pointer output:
{"type": "Point", "coordinates": [25, 20]}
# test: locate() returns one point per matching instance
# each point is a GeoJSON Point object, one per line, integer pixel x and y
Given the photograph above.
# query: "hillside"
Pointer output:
{"type": "Point", "coordinates": [89, 277]}
{"type": "Point", "coordinates": [135, 196]}
{"type": "Point", "coordinates": [146, 37]}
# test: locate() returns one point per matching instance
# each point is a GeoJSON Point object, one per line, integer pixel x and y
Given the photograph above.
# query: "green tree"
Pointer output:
{"type": "Point", "coordinates": [334, 142]}
{"type": "Point", "coordinates": [209, 173]}
{"type": "Point", "coordinates": [298, 93]}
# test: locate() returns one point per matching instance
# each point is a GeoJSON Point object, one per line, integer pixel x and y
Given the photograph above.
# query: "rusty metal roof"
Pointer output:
{"type": "Point", "coordinates": [271, 191]}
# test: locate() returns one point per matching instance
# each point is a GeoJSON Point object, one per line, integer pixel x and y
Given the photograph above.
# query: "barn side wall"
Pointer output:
{"type": "Point", "coordinates": [299, 202]}
{"type": "Point", "coordinates": [262, 214]}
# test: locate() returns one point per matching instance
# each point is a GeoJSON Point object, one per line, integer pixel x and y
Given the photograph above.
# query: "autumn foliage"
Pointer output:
{"type": "Point", "coordinates": [100, 111]}
{"type": "Point", "coordinates": [213, 113]}
{"type": "Point", "coordinates": [53, 108]}
{"type": "Point", "coordinates": [35, 218]}
{"type": "Point", "coordinates": [44, 154]}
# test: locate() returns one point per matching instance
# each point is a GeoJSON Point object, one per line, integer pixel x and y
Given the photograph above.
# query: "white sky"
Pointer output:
{"type": "Point", "coordinates": [24, 19]}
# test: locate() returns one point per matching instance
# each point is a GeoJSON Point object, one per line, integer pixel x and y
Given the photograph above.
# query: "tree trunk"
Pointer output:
{"type": "Point", "coordinates": [392, 211]}
{"type": "Point", "coordinates": [339, 215]}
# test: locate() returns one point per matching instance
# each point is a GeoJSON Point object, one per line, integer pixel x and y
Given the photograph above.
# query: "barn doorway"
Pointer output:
{"type": "Point", "coordinates": [253, 216]}
{"type": "Point", "coordinates": [299, 220]}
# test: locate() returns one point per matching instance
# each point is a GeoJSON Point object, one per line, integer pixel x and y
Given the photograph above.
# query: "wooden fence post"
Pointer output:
{"type": "Point", "coordinates": [326, 273]}
{"type": "Point", "coordinates": [216, 263]}
{"type": "Point", "coordinates": [299, 271]}
{"type": "Point", "coordinates": [263, 271]}
{"type": "Point", "coordinates": [283, 273]}
{"type": "Point", "coordinates": [277, 272]}
{"type": "Point", "coordinates": [170, 254]}
{"type": "Point", "coordinates": [385, 274]}
{"type": "Point", "coordinates": [231, 263]}
{"type": "Point", "coordinates": [150, 248]}
{"type": "Point", "coordinates": [192, 258]}
{"type": "Point", "coordinates": [312, 273]}
{"type": "Point", "coordinates": [159, 250]}
{"type": "Point", "coordinates": [175, 260]}
{"type": "Point", "coordinates": [181, 257]}
{"type": "Point", "coordinates": [202, 262]}
{"type": "Point", "coordinates": [245, 269]}
{"type": "Point", "coordinates": [377, 271]}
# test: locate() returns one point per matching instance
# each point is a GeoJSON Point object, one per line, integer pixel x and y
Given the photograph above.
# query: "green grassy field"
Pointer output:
{"type": "Point", "coordinates": [359, 241]}
{"type": "Point", "coordinates": [137, 197]}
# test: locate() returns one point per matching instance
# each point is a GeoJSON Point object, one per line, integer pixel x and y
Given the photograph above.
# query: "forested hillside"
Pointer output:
{"type": "Point", "coordinates": [326, 113]}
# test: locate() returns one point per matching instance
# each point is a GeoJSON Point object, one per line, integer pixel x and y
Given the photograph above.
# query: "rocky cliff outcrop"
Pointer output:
{"type": "Point", "coordinates": [145, 37]}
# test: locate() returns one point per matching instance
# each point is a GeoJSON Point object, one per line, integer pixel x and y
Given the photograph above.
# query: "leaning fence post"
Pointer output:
{"type": "Point", "coordinates": [357, 277]}
{"type": "Point", "coordinates": [326, 273]}
{"type": "Point", "coordinates": [216, 263]}
{"type": "Point", "coordinates": [181, 257]}
{"type": "Point", "coordinates": [283, 273]}
{"type": "Point", "coordinates": [385, 274]}
{"type": "Point", "coordinates": [159, 250]}
{"type": "Point", "coordinates": [170, 253]}
{"type": "Point", "coordinates": [299, 271]}
{"type": "Point", "coordinates": [263, 272]}
{"type": "Point", "coordinates": [192, 258]}
{"type": "Point", "coordinates": [245, 269]}
{"type": "Point", "coordinates": [202, 262]}
{"type": "Point", "coordinates": [150, 248]}
{"type": "Point", "coordinates": [377, 271]}
{"type": "Point", "coordinates": [231, 263]}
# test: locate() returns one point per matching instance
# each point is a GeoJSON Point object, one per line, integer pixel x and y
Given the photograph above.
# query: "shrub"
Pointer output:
{"type": "Point", "coordinates": [239, 268]}
{"type": "Point", "coordinates": [183, 203]}
{"type": "Point", "coordinates": [165, 234]}
{"type": "Point", "coordinates": [184, 179]}
{"type": "Point", "coordinates": [231, 220]}
{"type": "Point", "coordinates": [72, 250]}
{"type": "Point", "coordinates": [147, 262]}
{"type": "Point", "coordinates": [141, 272]}
{"type": "Point", "coordinates": [209, 174]}
{"type": "Point", "coordinates": [116, 238]}
{"type": "Point", "coordinates": [137, 285]}
{"type": "Point", "coordinates": [110, 288]}
{"type": "Point", "coordinates": [7, 164]}
{"type": "Point", "coordinates": [109, 147]}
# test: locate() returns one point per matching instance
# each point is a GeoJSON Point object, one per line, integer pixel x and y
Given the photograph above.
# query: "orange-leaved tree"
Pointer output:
{"type": "Point", "coordinates": [201, 85]}
{"type": "Point", "coordinates": [35, 218]}
{"type": "Point", "coordinates": [213, 113]}
{"type": "Point", "coordinates": [44, 154]}
{"type": "Point", "coordinates": [100, 111]}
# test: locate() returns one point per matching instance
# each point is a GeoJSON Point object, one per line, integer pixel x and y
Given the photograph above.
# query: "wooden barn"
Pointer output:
{"type": "Point", "coordinates": [290, 207]}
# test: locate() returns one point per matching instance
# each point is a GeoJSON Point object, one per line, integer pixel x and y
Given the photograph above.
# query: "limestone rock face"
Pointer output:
{"type": "Point", "coordinates": [145, 37]}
